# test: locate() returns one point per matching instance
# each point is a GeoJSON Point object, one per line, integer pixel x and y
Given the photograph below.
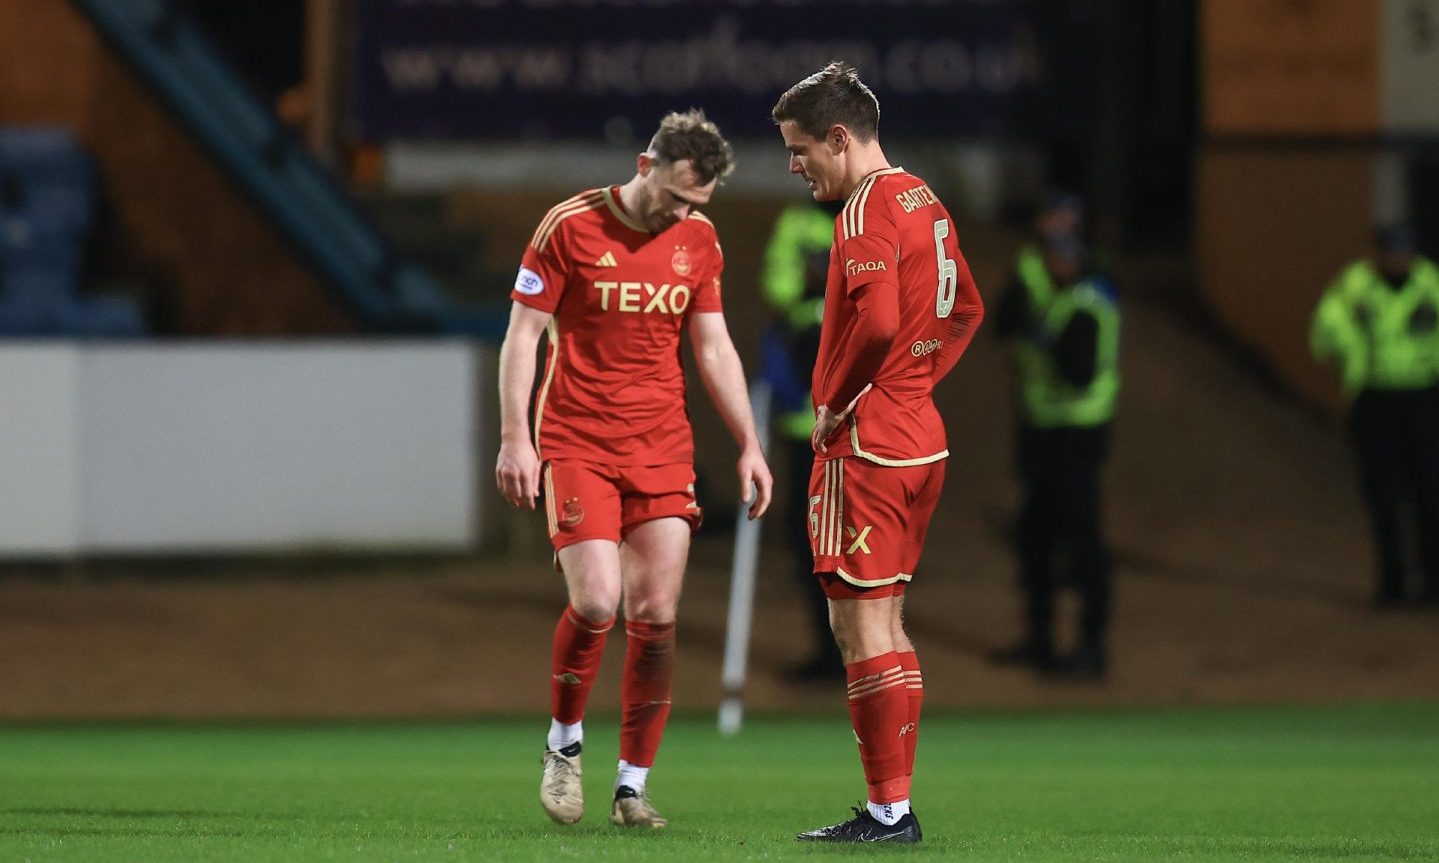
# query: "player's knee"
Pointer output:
{"type": "Point", "coordinates": [596, 605]}
{"type": "Point", "coordinates": [651, 608]}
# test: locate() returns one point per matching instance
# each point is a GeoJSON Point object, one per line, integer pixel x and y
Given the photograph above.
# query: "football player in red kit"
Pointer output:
{"type": "Point", "coordinates": [900, 309]}
{"type": "Point", "coordinates": [615, 276]}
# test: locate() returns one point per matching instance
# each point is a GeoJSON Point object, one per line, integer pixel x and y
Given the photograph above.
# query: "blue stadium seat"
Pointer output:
{"type": "Point", "coordinates": [47, 212]}
{"type": "Point", "coordinates": [101, 317]}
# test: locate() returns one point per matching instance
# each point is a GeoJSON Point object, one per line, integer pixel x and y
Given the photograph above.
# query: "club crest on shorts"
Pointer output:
{"type": "Point", "coordinates": [681, 261]}
{"type": "Point", "coordinates": [573, 513]}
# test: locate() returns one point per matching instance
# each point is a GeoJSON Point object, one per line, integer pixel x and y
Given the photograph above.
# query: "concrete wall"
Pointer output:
{"type": "Point", "coordinates": [238, 448]}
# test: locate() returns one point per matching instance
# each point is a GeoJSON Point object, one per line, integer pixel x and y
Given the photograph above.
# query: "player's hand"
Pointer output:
{"type": "Point", "coordinates": [826, 423]}
{"type": "Point", "coordinates": [754, 473]}
{"type": "Point", "coordinates": [517, 472]}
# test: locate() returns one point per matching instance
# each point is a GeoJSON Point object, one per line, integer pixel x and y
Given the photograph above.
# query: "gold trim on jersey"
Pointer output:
{"type": "Point", "coordinates": [881, 460]}
{"type": "Point", "coordinates": [618, 209]}
{"type": "Point", "coordinates": [696, 214]}
{"type": "Point", "coordinates": [581, 203]}
{"type": "Point", "coordinates": [872, 582]}
{"type": "Point", "coordinates": [852, 216]}
{"type": "Point", "coordinates": [552, 330]}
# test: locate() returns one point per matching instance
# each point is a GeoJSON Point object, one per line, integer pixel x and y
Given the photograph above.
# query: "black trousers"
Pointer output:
{"type": "Point", "coordinates": [1395, 434]}
{"type": "Point", "coordinates": [1060, 540]}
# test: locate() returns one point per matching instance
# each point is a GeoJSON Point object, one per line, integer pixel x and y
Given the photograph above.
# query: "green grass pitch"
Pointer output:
{"type": "Point", "coordinates": [1347, 783]}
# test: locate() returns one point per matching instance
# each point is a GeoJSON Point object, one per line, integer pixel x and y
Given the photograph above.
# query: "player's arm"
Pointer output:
{"type": "Point", "coordinates": [723, 375]}
{"type": "Point", "coordinates": [871, 257]}
{"type": "Point", "coordinates": [517, 470]}
{"type": "Point", "coordinates": [865, 344]}
{"type": "Point", "coordinates": [964, 319]}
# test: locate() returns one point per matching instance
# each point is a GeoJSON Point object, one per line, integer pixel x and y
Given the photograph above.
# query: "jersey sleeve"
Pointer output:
{"type": "Point", "coordinates": [544, 270]}
{"type": "Point", "coordinates": [709, 286]}
{"type": "Point", "coordinates": [965, 318]}
{"type": "Point", "coordinates": [869, 245]}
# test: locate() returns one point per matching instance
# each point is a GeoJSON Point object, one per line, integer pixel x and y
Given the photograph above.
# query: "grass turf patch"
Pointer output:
{"type": "Point", "coordinates": [1345, 783]}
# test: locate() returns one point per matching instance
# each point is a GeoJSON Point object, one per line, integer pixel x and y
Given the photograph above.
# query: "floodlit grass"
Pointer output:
{"type": "Point", "coordinates": [1348, 783]}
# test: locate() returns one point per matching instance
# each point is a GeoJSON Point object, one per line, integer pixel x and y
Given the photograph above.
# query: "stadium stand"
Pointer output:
{"type": "Point", "coordinates": [47, 214]}
{"type": "Point", "coordinates": [182, 67]}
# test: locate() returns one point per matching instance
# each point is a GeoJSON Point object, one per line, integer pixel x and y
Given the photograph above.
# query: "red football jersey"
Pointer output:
{"type": "Point", "coordinates": [614, 388]}
{"type": "Point", "coordinates": [893, 229]}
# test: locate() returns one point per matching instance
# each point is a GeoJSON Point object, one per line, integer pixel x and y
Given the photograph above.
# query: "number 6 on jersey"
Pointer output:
{"type": "Point", "coordinates": [948, 272]}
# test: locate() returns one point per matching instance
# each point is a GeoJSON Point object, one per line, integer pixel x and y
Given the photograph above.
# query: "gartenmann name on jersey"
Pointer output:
{"type": "Point", "coordinates": [631, 297]}
{"type": "Point", "coordinates": [912, 199]}
{"type": "Point", "coordinates": [854, 268]}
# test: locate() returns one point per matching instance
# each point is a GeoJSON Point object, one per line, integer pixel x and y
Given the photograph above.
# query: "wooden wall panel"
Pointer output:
{"type": "Point", "coordinates": [1274, 226]}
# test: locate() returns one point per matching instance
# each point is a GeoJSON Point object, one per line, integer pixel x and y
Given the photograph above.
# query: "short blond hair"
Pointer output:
{"type": "Point", "coordinates": [690, 135]}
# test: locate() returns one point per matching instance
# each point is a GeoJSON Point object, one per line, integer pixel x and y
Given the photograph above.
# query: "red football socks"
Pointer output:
{"type": "Point", "coordinates": [879, 710]}
{"type": "Point", "coordinates": [645, 690]}
{"type": "Point", "coordinates": [914, 685]}
{"type": "Point", "coordinates": [574, 664]}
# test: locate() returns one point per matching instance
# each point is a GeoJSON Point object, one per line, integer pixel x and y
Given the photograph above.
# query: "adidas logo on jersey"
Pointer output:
{"type": "Point", "coordinates": [607, 260]}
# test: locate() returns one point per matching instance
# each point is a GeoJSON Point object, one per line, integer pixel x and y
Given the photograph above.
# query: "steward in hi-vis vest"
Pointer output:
{"type": "Point", "coordinates": [1069, 367]}
{"type": "Point", "coordinates": [1063, 325]}
{"type": "Point", "coordinates": [1379, 323]}
{"type": "Point", "coordinates": [796, 262]}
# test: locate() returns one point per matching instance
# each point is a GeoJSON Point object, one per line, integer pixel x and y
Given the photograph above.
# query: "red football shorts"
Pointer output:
{"type": "Point", "coordinates": [867, 524]}
{"type": "Point", "coordinates": [587, 500]}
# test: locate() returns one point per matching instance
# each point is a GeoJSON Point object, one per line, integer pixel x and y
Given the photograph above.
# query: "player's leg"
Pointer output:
{"type": "Point", "coordinates": [877, 694]}
{"type": "Point", "coordinates": [930, 482]}
{"type": "Point", "coordinates": [660, 514]}
{"type": "Point", "coordinates": [858, 531]}
{"type": "Point", "coordinates": [653, 562]}
{"type": "Point", "coordinates": [583, 511]}
{"type": "Point", "coordinates": [592, 580]}
{"type": "Point", "coordinates": [913, 682]}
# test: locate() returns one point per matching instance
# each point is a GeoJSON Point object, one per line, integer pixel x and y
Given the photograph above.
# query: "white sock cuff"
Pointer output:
{"type": "Point", "coordinates": [632, 775]}
{"type": "Point", "coordinates": [889, 814]}
{"type": "Point", "coordinates": [562, 735]}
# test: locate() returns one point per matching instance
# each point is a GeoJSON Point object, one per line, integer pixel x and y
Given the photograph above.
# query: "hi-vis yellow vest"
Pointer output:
{"type": "Point", "coordinates": [1047, 399]}
{"type": "Point", "coordinates": [1382, 338]}
{"type": "Point", "coordinates": [798, 232]}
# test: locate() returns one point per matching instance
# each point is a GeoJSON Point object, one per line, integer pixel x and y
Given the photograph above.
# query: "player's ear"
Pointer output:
{"type": "Point", "coordinates": [644, 162]}
{"type": "Point", "coordinates": [837, 139]}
